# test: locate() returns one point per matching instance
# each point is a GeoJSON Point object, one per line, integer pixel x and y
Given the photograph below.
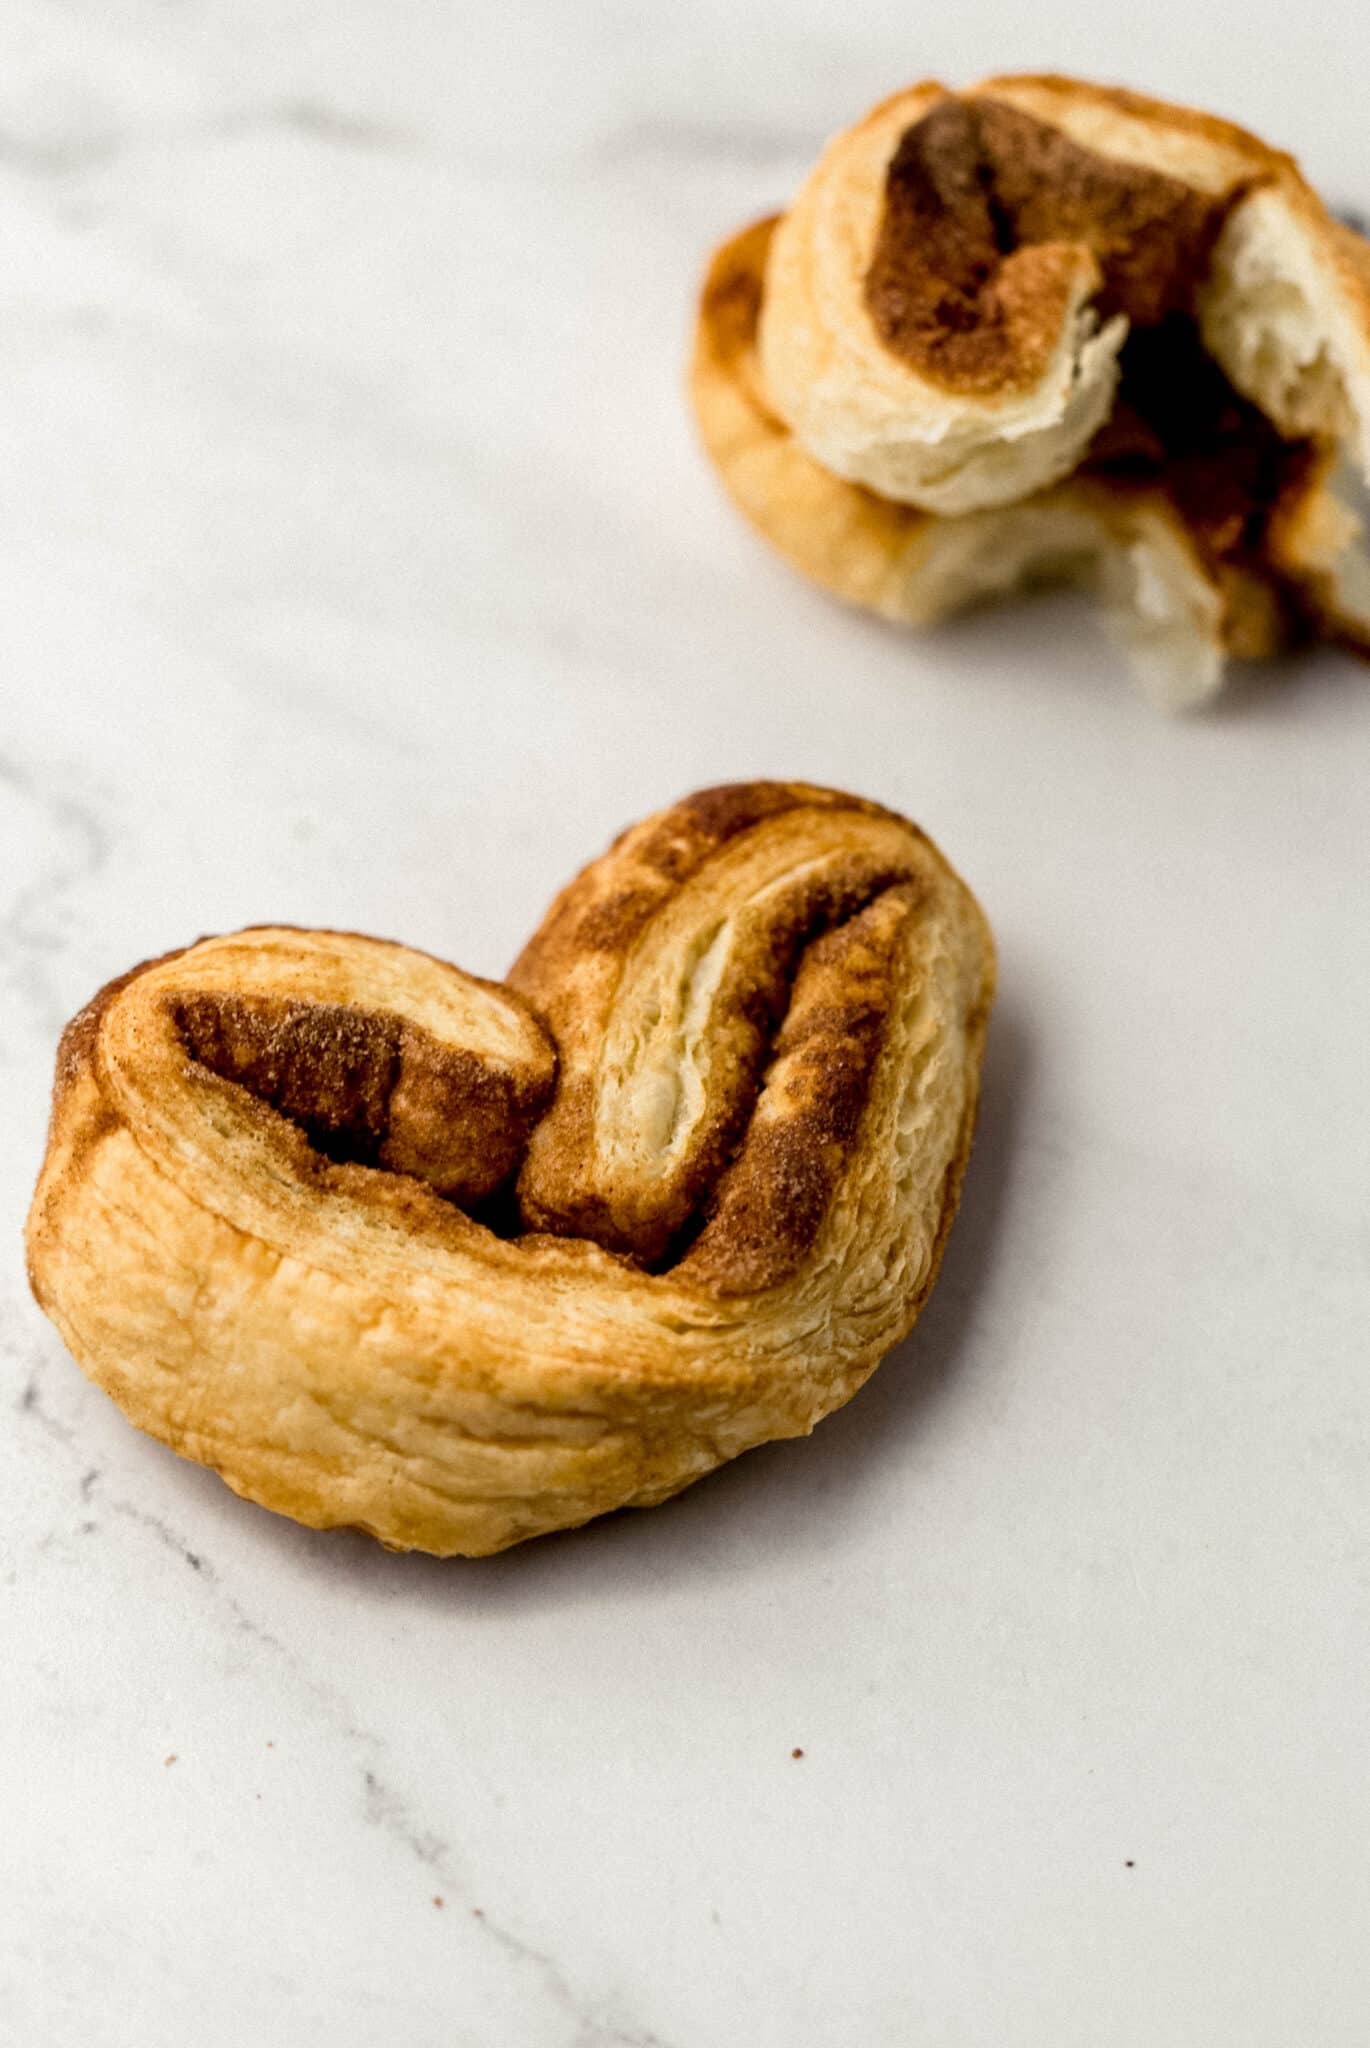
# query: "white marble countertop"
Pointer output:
{"type": "Point", "coordinates": [359, 569]}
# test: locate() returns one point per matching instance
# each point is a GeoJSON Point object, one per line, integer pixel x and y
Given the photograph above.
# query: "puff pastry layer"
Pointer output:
{"type": "Point", "coordinates": [1041, 331]}
{"type": "Point", "coordinates": [456, 1262]}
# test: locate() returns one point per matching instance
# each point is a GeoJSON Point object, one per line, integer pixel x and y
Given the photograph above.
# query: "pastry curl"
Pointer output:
{"type": "Point", "coordinates": [1045, 331]}
{"type": "Point", "coordinates": [456, 1262]}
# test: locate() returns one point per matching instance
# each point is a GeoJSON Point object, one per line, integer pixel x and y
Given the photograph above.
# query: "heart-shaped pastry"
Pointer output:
{"type": "Point", "coordinates": [1045, 330]}
{"type": "Point", "coordinates": [457, 1262]}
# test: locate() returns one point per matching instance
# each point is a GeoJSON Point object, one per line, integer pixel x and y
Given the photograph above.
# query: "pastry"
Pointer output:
{"type": "Point", "coordinates": [1041, 331]}
{"type": "Point", "coordinates": [457, 1262]}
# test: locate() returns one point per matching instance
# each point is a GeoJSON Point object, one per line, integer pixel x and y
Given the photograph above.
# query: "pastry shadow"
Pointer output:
{"type": "Point", "coordinates": [1052, 632]}
{"type": "Point", "coordinates": [1058, 634]}
{"type": "Point", "coordinates": [1281, 688]}
{"type": "Point", "coordinates": [777, 1501]}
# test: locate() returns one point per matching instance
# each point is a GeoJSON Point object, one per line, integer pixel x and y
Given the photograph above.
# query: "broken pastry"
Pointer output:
{"type": "Point", "coordinates": [1044, 331]}
{"type": "Point", "coordinates": [457, 1262]}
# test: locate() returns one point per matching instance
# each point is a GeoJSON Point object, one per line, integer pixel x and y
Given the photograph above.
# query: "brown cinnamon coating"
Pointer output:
{"type": "Point", "coordinates": [770, 1202]}
{"type": "Point", "coordinates": [986, 213]}
{"type": "Point", "coordinates": [374, 1087]}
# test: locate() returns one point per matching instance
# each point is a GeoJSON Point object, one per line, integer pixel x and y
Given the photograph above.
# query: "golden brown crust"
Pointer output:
{"type": "Point", "coordinates": [851, 541]}
{"type": "Point", "coordinates": [1234, 150]}
{"type": "Point", "coordinates": [1204, 495]}
{"type": "Point", "coordinates": [239, 1232]}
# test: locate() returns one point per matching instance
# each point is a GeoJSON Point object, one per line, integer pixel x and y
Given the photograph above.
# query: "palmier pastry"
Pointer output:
{"type": "Point", "coordinates": [1045, 331]}
{"type": "Point", "coordinates": [458, 1262]}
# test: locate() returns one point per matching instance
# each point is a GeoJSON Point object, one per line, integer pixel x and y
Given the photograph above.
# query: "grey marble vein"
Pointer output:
{"type": "Point", "coordinates": [693, 146]}
{"type": "Point", "coordinates": [383, 1805]}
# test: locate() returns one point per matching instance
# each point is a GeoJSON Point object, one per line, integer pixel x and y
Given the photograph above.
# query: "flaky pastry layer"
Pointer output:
{"type": "Point", "coordinates": [1045, 331]}
{"type": "Point", "coordinates": [457, 1262]}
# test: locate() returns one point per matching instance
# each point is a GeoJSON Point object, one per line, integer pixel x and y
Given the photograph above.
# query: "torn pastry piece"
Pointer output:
{"type": "Point", "coordinates": [1042, 331]}
{"type": "Point", "coordinates": [458, 1262]}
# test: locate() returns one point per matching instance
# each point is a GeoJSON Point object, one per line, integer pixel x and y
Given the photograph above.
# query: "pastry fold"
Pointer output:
{"type": "Point", "coordinates": [457, 1262]}
{"type": "Point", "coordinates": [1045, 331]}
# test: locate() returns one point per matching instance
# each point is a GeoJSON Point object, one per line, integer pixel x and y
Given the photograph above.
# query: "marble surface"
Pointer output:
{"type": "Point", "coordinates": [359, 569]}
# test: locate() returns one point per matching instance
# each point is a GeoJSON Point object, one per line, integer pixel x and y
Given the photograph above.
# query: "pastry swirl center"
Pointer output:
{"type": "Point", "coordinates": [989, 215]}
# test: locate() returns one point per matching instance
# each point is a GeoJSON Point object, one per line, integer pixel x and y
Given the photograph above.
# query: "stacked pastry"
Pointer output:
{"type": "Point", "coordinates": [1043, 330]}
{"type": "Point", "coordinates": [457, 1262]}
